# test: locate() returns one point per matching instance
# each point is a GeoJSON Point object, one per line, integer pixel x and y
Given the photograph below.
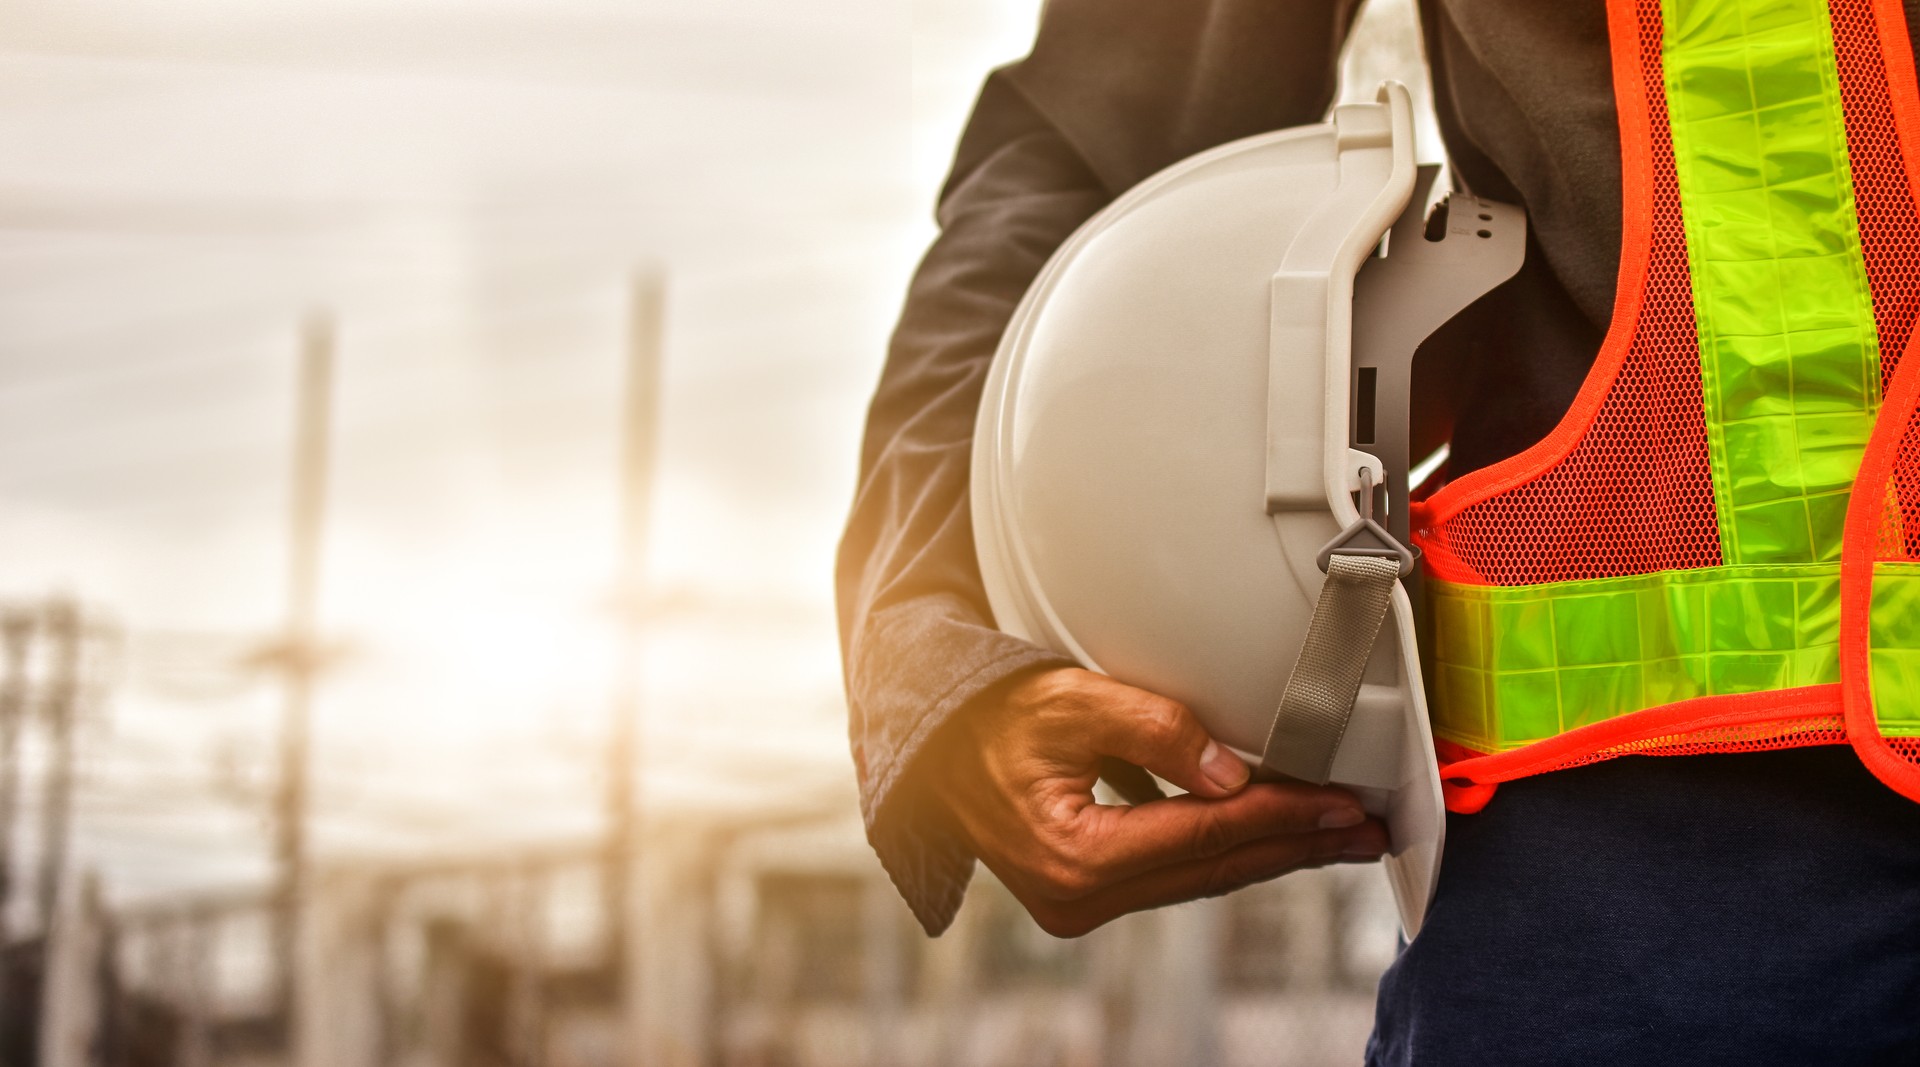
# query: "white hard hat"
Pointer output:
{"type": "Point", "coordinates": [1171, 441]}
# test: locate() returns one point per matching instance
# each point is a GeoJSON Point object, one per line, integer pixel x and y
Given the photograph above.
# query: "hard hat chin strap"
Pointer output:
{"type": "Point", "coordinates": [1325, 681]}
{"type": "Point", "coordinates": [1318, 701]}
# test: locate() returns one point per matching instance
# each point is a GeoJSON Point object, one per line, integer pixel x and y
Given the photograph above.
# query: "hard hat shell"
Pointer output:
{"type": "Point", "coordinates": [1163, 449]}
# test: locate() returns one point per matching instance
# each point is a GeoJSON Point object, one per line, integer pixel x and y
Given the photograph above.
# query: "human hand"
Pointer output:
{"type": "Point", "coordinates": [1018, 776]}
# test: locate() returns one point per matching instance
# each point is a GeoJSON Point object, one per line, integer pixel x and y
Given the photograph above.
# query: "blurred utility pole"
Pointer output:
{"type": "Point", "coordinates": [299, 657]}
{"type": "Point", "coordinates": [64, 636]}
{"type": "Point", "coordinates": [16, 636]}
{"type": "Point", "coordinates": [60, 709]}
{"type": "Point", "coordinates": [640, 417]}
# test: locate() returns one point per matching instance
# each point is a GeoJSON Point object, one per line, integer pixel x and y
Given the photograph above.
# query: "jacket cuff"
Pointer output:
{"type": "Point", "coordinates": [909, 827]}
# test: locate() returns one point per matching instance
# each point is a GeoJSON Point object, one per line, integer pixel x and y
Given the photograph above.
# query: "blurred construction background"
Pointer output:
{"type": "Point", "coordinates": [424, 429]}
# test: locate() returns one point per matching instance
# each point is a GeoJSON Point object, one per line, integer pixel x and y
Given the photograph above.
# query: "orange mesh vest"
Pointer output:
{"type": "Point", "coordinates": [1718, 548]}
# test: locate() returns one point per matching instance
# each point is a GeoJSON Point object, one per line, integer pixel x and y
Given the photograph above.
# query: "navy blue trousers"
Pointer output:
{"type": "Point", "coordinates": [1740, 909]}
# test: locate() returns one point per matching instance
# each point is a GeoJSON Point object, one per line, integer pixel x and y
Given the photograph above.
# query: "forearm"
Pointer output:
{"type": "Point", "coordinates": [917, 634]}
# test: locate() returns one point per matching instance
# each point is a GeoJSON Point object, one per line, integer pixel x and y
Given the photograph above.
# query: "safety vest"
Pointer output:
{"type": "Point", "coordinates": [1718, 548]}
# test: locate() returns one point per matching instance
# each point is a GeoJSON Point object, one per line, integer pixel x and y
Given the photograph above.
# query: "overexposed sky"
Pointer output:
{"type": "Point", "coordinates": [468, 190]}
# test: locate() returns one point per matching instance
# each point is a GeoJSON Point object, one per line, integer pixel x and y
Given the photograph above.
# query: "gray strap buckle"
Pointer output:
{"type": "Point", "coordinates": [1367, 537]}
{"type": "Point", "coordinates": [1363, 565]}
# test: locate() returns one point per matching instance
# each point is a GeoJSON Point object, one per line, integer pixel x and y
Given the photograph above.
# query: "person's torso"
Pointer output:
{"type": "Point", "coordinates": [1724, 908]}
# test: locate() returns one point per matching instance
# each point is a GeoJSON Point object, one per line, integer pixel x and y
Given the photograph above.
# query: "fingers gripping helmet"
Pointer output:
{"type": "Point", "coordinates": [1191, 464]}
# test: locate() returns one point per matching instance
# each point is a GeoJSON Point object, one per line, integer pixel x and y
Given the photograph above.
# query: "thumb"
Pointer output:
{"type": "Point", "coordinates": [1163, 736]}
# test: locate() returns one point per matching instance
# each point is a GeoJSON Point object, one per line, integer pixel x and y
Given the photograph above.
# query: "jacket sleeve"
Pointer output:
{"type": "Point", "coordinates": [1113, 91]}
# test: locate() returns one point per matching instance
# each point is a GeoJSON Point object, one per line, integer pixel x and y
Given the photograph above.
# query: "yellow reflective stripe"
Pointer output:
{"type": "Point", "coordinates": [1788, 346]}
{"type": "Point", "coordinates": [1517, 664]}
{"type": "Point", "coordinates": [1895, 648]}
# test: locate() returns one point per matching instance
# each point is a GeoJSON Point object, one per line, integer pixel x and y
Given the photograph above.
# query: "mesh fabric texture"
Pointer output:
{"type": "Point", "coordinates": [1890, 239]}
{"type": "Point", "coordinates": [1635, 495]}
